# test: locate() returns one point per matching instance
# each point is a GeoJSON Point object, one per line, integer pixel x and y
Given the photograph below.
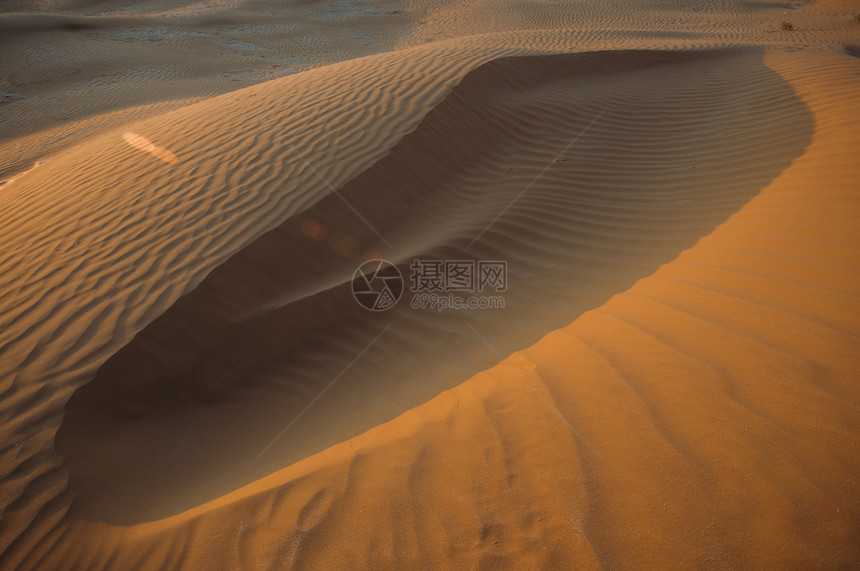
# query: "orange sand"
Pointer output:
{"type": "Point", "coordinates": [671, 384]}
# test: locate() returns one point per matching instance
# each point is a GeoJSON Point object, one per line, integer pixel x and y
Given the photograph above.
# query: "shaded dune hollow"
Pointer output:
{"type": "Point", "coordinates": [588, 171]}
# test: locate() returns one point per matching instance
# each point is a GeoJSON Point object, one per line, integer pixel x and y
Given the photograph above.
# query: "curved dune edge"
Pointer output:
{"type": "Point", "coordinates": [100, 240]}
{"type": "Point", "coordinates": [735, 437]}
{"type": "Point", "coordinates": [668, 145]}
{"type": "Point", "coordinates": [68, 312]}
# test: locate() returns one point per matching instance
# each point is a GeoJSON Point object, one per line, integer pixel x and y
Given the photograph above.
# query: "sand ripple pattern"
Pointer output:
{"type": "Point", "coordinates": [101, 240]}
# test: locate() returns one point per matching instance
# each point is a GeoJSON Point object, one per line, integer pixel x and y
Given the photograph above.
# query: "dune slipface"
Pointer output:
{"type": "Point", "coordinates": [186, 380]}
{"type": "Point", "coordinates": [180, 416]}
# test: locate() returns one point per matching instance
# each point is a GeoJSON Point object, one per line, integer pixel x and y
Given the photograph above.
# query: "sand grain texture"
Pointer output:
{"type": "Point", "coordinates": [673, 380]}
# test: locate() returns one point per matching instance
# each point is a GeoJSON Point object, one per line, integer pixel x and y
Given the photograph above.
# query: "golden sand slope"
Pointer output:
{"type": "Point", "coordinates": [684, 433]}
{"type": "Point", "coordinates": [707, 413]}
{"type": "Point", "coordinates": [235, 359]}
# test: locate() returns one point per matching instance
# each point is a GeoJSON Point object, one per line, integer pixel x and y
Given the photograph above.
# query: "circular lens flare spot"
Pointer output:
{"type": "Point", "coordinates": [371, 255]}
{"type": "Point", "coordinates": [343, 244]}
{"type": "Point", "coordinates": [314, 230]}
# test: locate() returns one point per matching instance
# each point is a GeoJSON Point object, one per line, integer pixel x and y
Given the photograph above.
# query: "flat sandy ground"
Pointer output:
{"type": "Point", "coordinates": [186, 380]}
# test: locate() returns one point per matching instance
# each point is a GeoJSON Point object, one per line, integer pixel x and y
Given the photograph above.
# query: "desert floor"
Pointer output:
{"type": "Point", "coordinates": [187, 380]}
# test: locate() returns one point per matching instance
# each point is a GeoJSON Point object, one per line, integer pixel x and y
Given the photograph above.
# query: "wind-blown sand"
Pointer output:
{"type": "Point", "coordinates": [672, 382]}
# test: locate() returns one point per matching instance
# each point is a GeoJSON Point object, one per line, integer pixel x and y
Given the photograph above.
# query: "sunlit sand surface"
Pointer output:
{"type": "Point", "coordinates": [188, 381]}
{"type": "Point", "coordinates": [143, 144]}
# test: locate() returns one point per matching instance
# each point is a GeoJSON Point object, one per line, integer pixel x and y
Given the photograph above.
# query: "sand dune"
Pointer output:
{"type": "Point", "coordinates": [268, 328]}
{"type": "Point", "coordinates": [672, 381]}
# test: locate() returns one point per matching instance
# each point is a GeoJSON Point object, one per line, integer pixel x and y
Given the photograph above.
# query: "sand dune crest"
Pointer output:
{"type": "Point", "coordinates": [271, 326]}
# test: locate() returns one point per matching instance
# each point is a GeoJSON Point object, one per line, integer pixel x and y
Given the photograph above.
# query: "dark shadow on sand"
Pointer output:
{"type": "Point", "coordinates": [179, 416]}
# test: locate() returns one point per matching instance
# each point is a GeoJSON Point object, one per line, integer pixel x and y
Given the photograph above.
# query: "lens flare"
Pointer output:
{"type": "Point", "coordinates": [371, 255]}
{"type": "Point", "coordinates": [343, 244]}
{"type": "Point", "coordinates": [147, 146]}
{"type": "Point", "coordinates": [314, 230]}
